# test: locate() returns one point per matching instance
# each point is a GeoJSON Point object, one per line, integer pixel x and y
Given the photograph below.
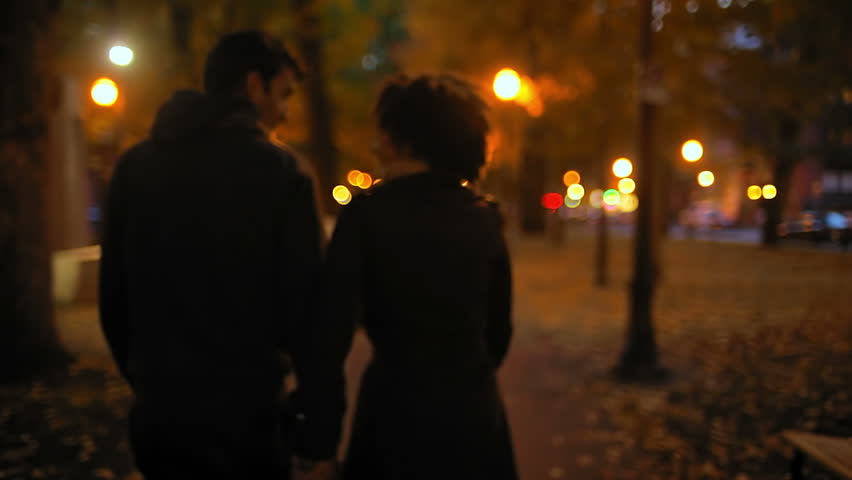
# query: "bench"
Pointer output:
{"type": "Point", "coordinates": [835, 453]}
{"type": "Point", "coordinates": [75, 274]}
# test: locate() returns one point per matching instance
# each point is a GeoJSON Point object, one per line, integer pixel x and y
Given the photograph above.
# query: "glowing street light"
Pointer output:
{"type": "Point", "coordinates": [507, 84]}
{"type": "Point", "coordinates": [611, 197]}
{"type": "Point", "coordinates": [754, 192]}
{"type": "Point", "coordinates": [622, 167]}
{"type": "Point", "coordinates": [104, 92]}
{"type": "Point", "coordinates": [121, 55]}
{"type": "Point", "coordinates": [575, 192]}
{"type": "Point", "coordinates": [355, 178]}
{"type": "Point", "coordinates": [626, 185]}
{"type": "Point", "coordinates": [341, 194]}
{"type": "Point", "coordinates": [570, 178]}
{"type": "Point", "coordinates": [706, 178]}
{"type": "Point", "coordinates": [769, 192]}
{"type": "Point", "coordinates": [692, 151]}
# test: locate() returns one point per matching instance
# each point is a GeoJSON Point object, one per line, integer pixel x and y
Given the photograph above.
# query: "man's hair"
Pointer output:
{"type": "Point", "coordinates": [437, 119]}
{"type": "Point", "coordinates": [238, 54]}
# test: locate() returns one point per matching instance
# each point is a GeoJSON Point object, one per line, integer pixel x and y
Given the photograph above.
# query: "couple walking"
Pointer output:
{"type": "Point", "coordinates": [215, 285]}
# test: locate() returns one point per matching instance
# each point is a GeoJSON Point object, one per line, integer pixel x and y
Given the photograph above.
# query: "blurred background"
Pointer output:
{"type": "Point", "coordinates": [696, 152]}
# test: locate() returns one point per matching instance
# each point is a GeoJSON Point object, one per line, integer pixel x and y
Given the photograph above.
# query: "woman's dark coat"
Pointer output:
{"type": "Point", "coordinates": [422, 262]}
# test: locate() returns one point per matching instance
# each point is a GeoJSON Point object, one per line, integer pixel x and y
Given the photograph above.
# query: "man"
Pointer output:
{"type": "Point", "coordinates": [210, 255]}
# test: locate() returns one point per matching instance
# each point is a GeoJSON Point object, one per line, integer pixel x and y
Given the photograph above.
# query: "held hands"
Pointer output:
{"type": "Point", "coordinates": [315, 470]}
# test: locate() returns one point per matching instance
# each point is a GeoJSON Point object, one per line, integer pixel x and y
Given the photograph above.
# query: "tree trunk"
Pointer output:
{"type": "Point", "coordinates": [786, 156]}
{"type": "Point", "coordinates": [639, 359]}
{"type": "Point", "coordinates": [321, 145]}
{"type": "Point", "coordinates": [28, 341]}
{"type": "Point", "coordinates": [602, 243]}
{"type": "Point", "coordinates": [532, 179]}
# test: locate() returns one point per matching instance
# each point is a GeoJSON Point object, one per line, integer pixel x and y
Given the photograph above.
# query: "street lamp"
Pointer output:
{"type": "Point", "coordinates": [571, 177]}
{"type": "Point", "coordinates": [626, 185]}
{"type": "Point", "coordinates": [104, 92]}
{"type": "Point", "coordinates": [706, 178]}
{"type": "Point", "coordinates": [121, 55]}
{"type": "Point", "coordinates": [507, 84]}
{"type": "Point", "coordinates": [769, 192]}
{"type": "Point", "coordinates": [692, 151]}
{"type": "Point", "coordinates": [622, 167]}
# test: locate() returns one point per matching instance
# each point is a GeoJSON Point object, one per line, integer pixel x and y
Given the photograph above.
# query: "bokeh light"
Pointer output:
{"type": "Point", "coordinates": [622, 167]}
{"type": "Point", "coordinates": [120, 55]}
{"type": "Point", "coordinates": [611, 197]}
{"type": "Point", "coordinates": [692, 151]}
{"type": "Point", "coordinates": [769, 192]}
{"type": "Point", "coordinates": [355, 177]}
{"type": "Point", "coordinates": [570, 178]}
{"type": "Point", "coordinates": [596, 198]}
{"type": "Point", "coordinates": [104, 92]}
{"type": "Point", "coordinates": [507, 84]}
{"type": "Point", "coordinates": [706, 178]}
{"type": "Point", "coordinates": [754, 192]}
{"type": "Point", "coordinates": [629, 203]}
{"type": "Point", "coordinates": [465, 183]}
{"type": "Point", "coordinates": [575, 192]}
{"type": "Point", "coordinates": [626, 185]}
{"type": "Point", "coordinates": [551, 201]}
{"type": "Point", "coordinates": [366, 181]}
{"type": "Point", "coordinates": [572, 203]}
{"type": "Point", "coordinates": [341, 194]}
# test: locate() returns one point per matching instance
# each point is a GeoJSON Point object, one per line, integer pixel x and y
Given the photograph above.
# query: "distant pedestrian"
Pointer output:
{"type": "Point", "coordinates": [210, 255]}
{"type": "Point", "coordinates": [421, 261]}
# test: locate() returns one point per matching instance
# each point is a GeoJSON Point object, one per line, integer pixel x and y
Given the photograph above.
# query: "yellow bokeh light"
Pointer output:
{"type": "Point", "coordinates": [692, 151]}
{"type": "Point", "coordinates": [629, 203]}
{"type": "Point", "coordinates": [622, 167]}
{"type": "Point", "coordinates": [341, 194]}
{"type": "Point", "coordinates": [575, 192]}
{"type": "Point", "coordinates": [104, 92]}
{"type": "Point", "coordinates": [626, 185]}
{"type": "Point", "coordinates": [507, 84]}
{"type": "Point", "coordinates": [570, 178]}
{"type": "Point", "coordinates": [465, 183]}
{"type": "Point", "coordinates": [769, 192]}
{"type": "Point", "coordinates": [754, 192]}
{"type": "Point", "coordinates": [706, 178]}
{"type": "Point", "coordinates": [355, 177]}
{"type": "Point", "coordinates": [120, 55]}
{"type": "Point", "coordinates": [572, 203]}
{"type": "Point", "coordinates": [377, 181]}
{"type": "Point", "coordinates": [366, 181]}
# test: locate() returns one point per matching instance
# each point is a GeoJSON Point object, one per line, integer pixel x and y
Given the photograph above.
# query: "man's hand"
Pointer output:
{"type": "Point", "coordinates": [322, 470]}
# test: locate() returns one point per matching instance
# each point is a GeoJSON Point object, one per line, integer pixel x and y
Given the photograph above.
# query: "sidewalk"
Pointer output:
{"type": "Point", "coordinates": [758, 342]}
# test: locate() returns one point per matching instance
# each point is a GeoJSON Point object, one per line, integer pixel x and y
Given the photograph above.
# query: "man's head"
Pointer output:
{"type": "Point", "coordinates": [257, 66]}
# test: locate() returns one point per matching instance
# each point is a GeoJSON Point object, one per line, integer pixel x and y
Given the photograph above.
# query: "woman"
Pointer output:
{"type": "Point", "coordinates": [421, 261]}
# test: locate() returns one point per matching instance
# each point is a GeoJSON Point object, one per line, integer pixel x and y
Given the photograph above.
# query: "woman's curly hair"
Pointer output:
{"type": "Point", "coordinates": [438, 119]}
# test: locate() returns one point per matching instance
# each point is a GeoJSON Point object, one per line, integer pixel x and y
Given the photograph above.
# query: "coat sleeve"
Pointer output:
{"type": "Point", "coordinates": [112, 288]}
{"type": "Point", "coordinates": [499, 330]}
{"type": "Point", "coordinates": [318, 347]}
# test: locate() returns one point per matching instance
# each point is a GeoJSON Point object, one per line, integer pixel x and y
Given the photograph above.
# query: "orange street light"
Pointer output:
{"type": "Point", "coordinates": [706, 178]}
{"type": "Point", "coordinates": [507, 84]}
{"type": "Point", "coordinates": [104, 92]}
{"type": "Point", "coordinates": [570, 178]}
{"type": "Point", "coordinates": [692, 151]}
